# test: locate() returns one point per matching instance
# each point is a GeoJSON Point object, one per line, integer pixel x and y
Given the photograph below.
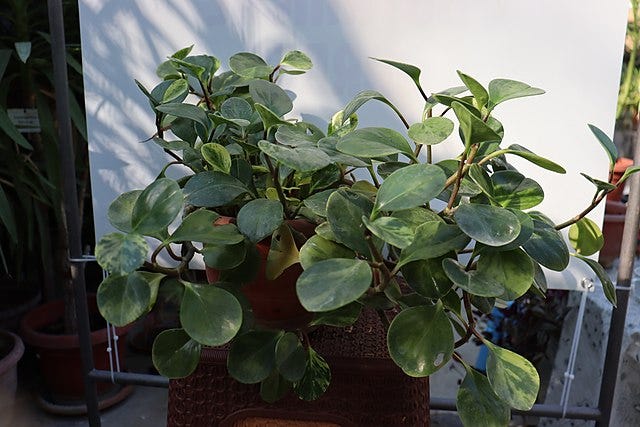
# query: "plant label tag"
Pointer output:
{"type": "Point", "coordinates": [25, 119]}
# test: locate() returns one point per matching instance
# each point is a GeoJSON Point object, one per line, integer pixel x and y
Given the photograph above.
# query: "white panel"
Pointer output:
{"type": "Point", "coordinates": [570, 48]}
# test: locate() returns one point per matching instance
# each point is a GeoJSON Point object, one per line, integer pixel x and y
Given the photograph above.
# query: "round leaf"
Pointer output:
{"type": "Point", "coordinates": [512, 377]}
{"type": "Point", "coordinates": [345, 210]}
{"type": "Point", "coordinates": [121, 254]}
{"type": "Point", "coordinates": [374, 142]}
{"type": "Point", "coordinates": [487, 224]}
{"type": "Point", "coordinates": [296, 60]}
{"type": "Point", "coordinates": [236, 108]}
{"type": "Point", "coordinates": [260, 218]}
{"type": "Point", "coordinates": [547, 246]}
{"type": "Point", "coordinates": [175, 354]}
{"type": "Point", "coordinates": [247, 64]}
{"type": "Point", "coordinates": [472, 281]}
{"type": "Point", "coordinates": [392, 230]}
{"type": "Point", "coordinates": [420, 340]}
{"type": "Point", "coordinates": [316, 379]}
{"type": "Point", "coordinates": [410, 187]}
{"type": "Point", "coordinates": [122, 299]}
{"type": "Point", "coordinates": [198, 226]}
{"type": "Point", "coordinates": [317, 249]}
{"type": "Point", "coordinates": [302, 159]}
{"type": "Point", "coordinates": [121, 210]}
{"type": "Point", "coordinates": [157, 206]}
{"type": "Point", "coordinates": [432, 131]}
{"type": "Point", "coordinates": [585, 236]}
{"type": "Point", "coordinates": [252, 356]}
{"type": "Point", "coordinates": [432, 240]}
{"type": "Point", "coordinates": [291, 357]}
{"type": "Point", "coordinates": [223, 256]}
{"type": "Point", "coordinates": [427, 278]}
{"type": "Point", "coordinates": [209, 314]}
{"type": "Point", "coordinates": [333, 283]}
{"type": "Point", "coordinates": [271, 96]}
{"type": "Point", "coordinates": [212, 189]}
{"type": "Point", "coordinates": [477, 404]}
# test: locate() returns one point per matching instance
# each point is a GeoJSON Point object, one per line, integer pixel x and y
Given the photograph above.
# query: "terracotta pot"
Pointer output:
{"type": "Point", "coordinates": [621, 165]}
{"type": "Point", "coordinates": [11, 351]}
{"type": "Point", "coordinates": [274, 303]}
{"type": "Point", "coordinates": [59, 355]}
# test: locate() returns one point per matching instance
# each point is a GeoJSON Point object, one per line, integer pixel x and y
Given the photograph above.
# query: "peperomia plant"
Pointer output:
{"type": "Point", "coordinates": [425, 244]}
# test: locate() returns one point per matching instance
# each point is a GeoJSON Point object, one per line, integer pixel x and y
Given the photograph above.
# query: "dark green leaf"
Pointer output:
{"type": "Point", "coordinates": [340, 317]}
{"type": "Point", "coordinates": [410, 70]}
{"type": "Point", "coordinates": [259, 218]}
{"type": "Point", "coordinates": [333, 283]}
{"type": "Point", "coordinates": [547, 246]}
{"type": "Point", "coordinates": [607, 284]}
{"type": "Point", "coordinates": [11, 131]}
{"type": "Point", "coordinates": [512, 190]}
{"type": "Point", "coordinates": [212, 189]}
{"type": "Point", "coordinates": [291, 357]}
{"type": "Point", "coordinates": [224, 256]}
{"type": "Point", "coordinates": [501, 90]}
{"type": "Point", "coordinates": [274, 387]}
{"type": "Point", "coordinates": [420, 340]}
{"type": "Point", "coordinates": [157, 206]}
{"type": "Point", "coordinates": [252, 356]}
{"type": "Point", "coordinates": [175, 354]}
{"type": "Point", "coordinates": [427, 277]}
{"type": "Point", "coordinates": [409, 187]}
{"type": "Point", "coordinates": [209, 314]}
{"type": "Point", "coordinates": [123, 299]}
{"type": "Point", "coordinates": [359, 100]}
{"type": "Point", "coordinates": [345, 210]}
{"type": "Point", "coordinates": [477, 90]}
{"type": "Point", "coordinates": [302, 159]}
{"type": "Point", "coordinates": [474, 130]}
{"type": "Point", "coordinates": [520, 151]}
{"type": "Point", "coordinates": [236, 108]}
{"type": "Point", "coordinates": [271, 96]}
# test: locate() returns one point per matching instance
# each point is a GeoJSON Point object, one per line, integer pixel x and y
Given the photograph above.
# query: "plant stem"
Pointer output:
{"type": "Point", "coordinates": [584, 213]}
{"type": "Point", "coordinates": [276, 183]}
{"type": "Point", "coordinates": [205, 93]}
{"type": "Point", "coordinates": [273, 73]}
{"type": "Point", "coordinates": [374, 178]}
{"type": "Point", "coordinates": [377, 256]}
{"type": "Point", "coordinates": [464, 161]}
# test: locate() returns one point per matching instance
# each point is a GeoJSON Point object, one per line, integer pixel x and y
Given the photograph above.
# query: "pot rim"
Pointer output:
{"type": "Point", "coordinates": [11, 359]}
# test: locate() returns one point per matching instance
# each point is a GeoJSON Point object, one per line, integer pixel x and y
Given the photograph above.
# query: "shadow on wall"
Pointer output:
{"type": "Point", "coordinates": [119, 114]}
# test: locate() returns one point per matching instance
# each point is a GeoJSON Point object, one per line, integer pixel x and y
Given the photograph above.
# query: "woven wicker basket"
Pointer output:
{"type": "Point", "coordinates": [367, 389]}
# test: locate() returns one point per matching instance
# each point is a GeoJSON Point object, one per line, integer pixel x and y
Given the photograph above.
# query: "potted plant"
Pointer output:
{"type": "Point", "coordinates": [421, 244]}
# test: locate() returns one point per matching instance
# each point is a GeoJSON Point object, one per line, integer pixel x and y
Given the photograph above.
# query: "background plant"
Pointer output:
{"type": "Point", "coordinates": [422, 243]}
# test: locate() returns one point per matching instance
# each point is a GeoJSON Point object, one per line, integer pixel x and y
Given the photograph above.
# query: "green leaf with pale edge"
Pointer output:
{"type": "Point", "coordinates": [156, 207]}
{"type": "Point", "coordinates": [236, 108]}
{"type": "Point", "coordinates": [121, 254]}
{"type": "Point", "coordinates": [501, 90]}
{"type": "Point", "coordinates": [607, 144]}
{"type": "Point", "coordinates": [410, 187]}
{"type": "Point", "coordinates": [296, 60]}
{"type": "Point", "coordinates": [520, 151]}
{"type": "Point", "coordinates": [252, 356]}
{"type": "Point", "coordinates": [374, 142]}
{"type": "Point", "coordinates": [224, 256]}
{"type": "Point", "coordinates": [175, 354]}
{"type": "Point", "coordinates": [420, 340]}
{"type": "Point", "coordinates": [474, 130]}
{"type": "Point", "coordinates": [121, 209]}
{"type": "Point", "coordinates": [627, 173]}
{"type": "Point", "coordinates": [427, 277]}
{"type": "Point", "coordinates": [212, 189]}
{"type": "Point", "coordinates": [547, 246]}
{"type": "Point", "coordinates": [431, 131]}
{"type": "Point", "coordinates": [333, 283]}
{"type": "Point", "coordinates": [302, 159]}
{"type": "Point", "coordinates": [491, 225]}
{"type": "Point", "coordinates": [392, 230]}
{"type": "Point", "coordinates": [318, 202]}
{"type": "Point", "coordinates": [512, 377]}
{"type": "Point", "coordinates": [209, 314]}
{"type": "Point", "coordinates": [477, 90]}
{"type": "Point", "coordinates": [177, 89]}
{"type": "Point", "coordinates": [359, 100]}
{"type": "Point", "coordinates": [186, 111]}
{"type": "Point", "coordinates": [586, 237]}
{"type": "Point", "coordinates": [345, 210]}
{"type": "Point", "coordinates": [217, 157]}
{"type": "Point", "coordinates": [260, 218]}
{"type": "Point", "coordinates": [123, 299]}
{"type": "Point", "coordinates": [478, 405]}
{"type": "Point", "coordinates": [291, 357]}
{"type": "Point", "coordinates": [316, 379]}
{"type": "Point", "coordinates": [432, 240]}
{"type": "Point", "coordinates": [271, 96]}
{"type": "Point", "coordinates": [317, 248]}
{"type": "Point", "coordinates": [269, 118]}
{"type": "Point", "coordinates": [607, 285]}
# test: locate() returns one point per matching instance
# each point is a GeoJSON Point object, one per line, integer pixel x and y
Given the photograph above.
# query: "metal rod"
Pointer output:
{"type": "Point", "coordinates": [539, 410]}
{"type": "Point", "coordinates": [130, 378]}
{"type": "Point", "coordinates": [619, 313]}
{"type": "Point", "coordinates": [70, 198]}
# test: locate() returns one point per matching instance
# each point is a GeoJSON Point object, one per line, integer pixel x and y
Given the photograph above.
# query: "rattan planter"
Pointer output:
{"type": "Point", "coordinates": [367, 388]}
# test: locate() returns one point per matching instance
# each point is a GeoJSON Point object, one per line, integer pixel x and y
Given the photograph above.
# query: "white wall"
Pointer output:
{"type": "Point", "coordinates": [570, 48]}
